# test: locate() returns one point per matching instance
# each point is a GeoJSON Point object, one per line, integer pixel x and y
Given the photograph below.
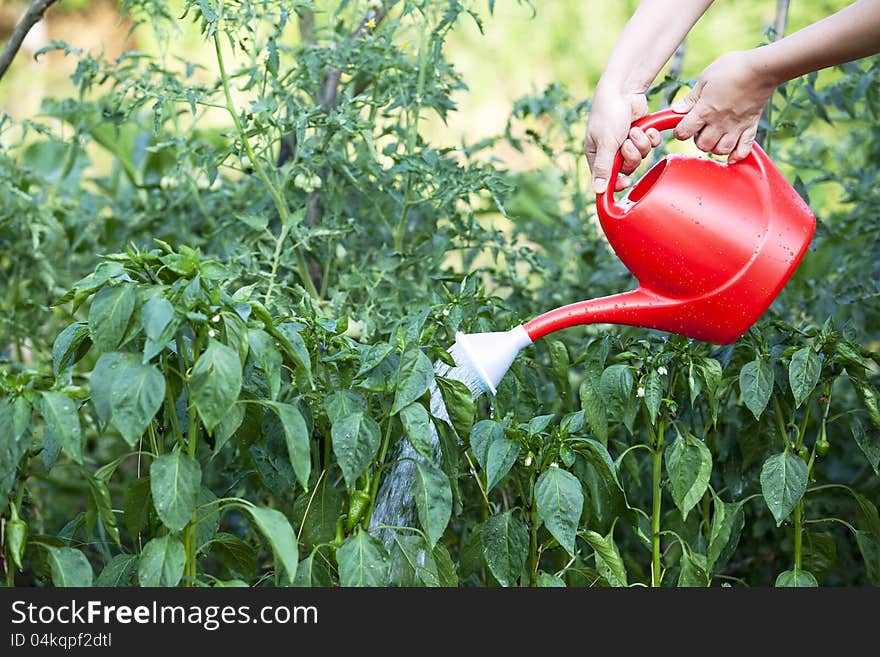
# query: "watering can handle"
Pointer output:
{"type": "Point", "coordinates": [662, 120]}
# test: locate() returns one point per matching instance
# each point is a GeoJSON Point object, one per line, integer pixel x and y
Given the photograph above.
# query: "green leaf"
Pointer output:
{"type": "Point", "coordinates": [538, 424]}
{"type": "Point", "coordinates": [653, 393]}
{"type": "Point", "coordinates": [499, 459]}
{"type": "Point", "coordinates": [616, 388]}
{"type": "Point", "coordinates": [417, 427]}
{"type": "Point", "coordinates": [159, 324]}
{"type": "Point", "coordinates": [237, 555]}
{"type": "Point", "coordinates": [546, 580]}
{"type": "Point", "coordinates": [312, 573]}
{"type": "Point", "coordinates": [162, 562]}
{"type": "Point", "coordinates": [819, 553]}
{"type": "Point", "coordinates": [69, 567]}
{"type": "Point", "coordinates": [756, 385]}
{"type": "Point", "coordinates": [695, 383]}
{"type": "Point", "coordinates": [100, 496]}
{"type": "Point", "coordinates": [62, 423]}
{"type": "Point", "coordinates": [134, 404]}
{"type": "Point", "coordinates": [342, 403]}
{"type": "Point", "coordinates": [277, 530]}
{"type": "Point", "coordinates": [869, 519]}
{"type": "Point", "coordinates": [175, 479]}
{"type": "Point", "coordinates": [694, 571]}
{"type": "Point", "coordinates": [796, 579]}
{"type": "Point", "coordinates": [215, 383]}
{"type": "Point", "coordinates": [229, 425]}
{"type": "Point", "coordinates": [608, 561]}
{"type": "Point", "coordinates": [803, 373]}
{"type": "Point", "coordinates": [710, 369]}
{"type": "Point", "coordinates": [594, 408]}
{"type": "Point", "coordinates": [363, 561]}
{"type": "Point", "coordinates": [295, 347]}
{"type": "Point", "coordinates": [459, 404]}
{"type": "Point", "coordinates": [119, 573]}
{"type": "Point", "coordinates": [483, 434]}
{"type": "Point", "coordinates": [109, 315]}
{"type": "Point", "coordinates": [869, 546]}
{"type": "Point", "coordinates": [727, 523]}
{"type": "Point", "coordinates": [597, 454]}
{"type": "Point", "coordinates": [445, 567]}
{"type": "Point", "coordinates": [783, 483]}
{"type": "Point", "coordinates": [560, 363]}
{"type": "Point", "coordinates": [433, 497]}
{"type": "Point", "coordinates": [374, 355]}
{"type": "Point", "coordinates": [267, 358]}
{"type": "Point", "coordinates": [560, 502]}
{"type": "Point", "coordinates": [356, 440]}
{"type": "Point", "coordinates": [136, 505]}
{"type": "Point", "coordinates": [505, 541]}
{"type": "Point", "coordinates": [236, 335]}
{"type": "Point", "coordinates": [869, 399]}
{"type": "Point", "coordinates": [689, 465]}
{"type": "Point", "coordinates": [414, 376]}
{"type": "Point", "coordinates": [102, 382]}
{"type": "Point", "coordinates": [15, 418]}
{"type": "Point", "coordinates": [316, 512]}
{"type": "Point", "coordinates": [70, 345]}
{"type": "Point", "coordinates": [868, 441]}
{"type": "Point", "coordinates": [297, 438]}
{"type": "Point", "coordinates": [412, 562]}
{"type": "Point", "coordinates": [207, 519]}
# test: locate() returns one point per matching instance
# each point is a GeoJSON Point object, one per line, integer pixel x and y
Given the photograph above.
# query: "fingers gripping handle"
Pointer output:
{"type": "Point", "coordinates": [662, 120]}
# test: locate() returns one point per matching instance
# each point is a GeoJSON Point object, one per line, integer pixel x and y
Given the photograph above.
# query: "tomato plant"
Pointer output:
{"type": "Point", "coordinates": [230, 289]}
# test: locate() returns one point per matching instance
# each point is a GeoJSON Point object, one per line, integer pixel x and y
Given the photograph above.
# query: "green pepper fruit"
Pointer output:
{"type": "Point", "coordinates": [16, 538]}
{"type": "Point", "coordinates": [804, 453]}
{"type": "Point", "coordinates": [357, 507]}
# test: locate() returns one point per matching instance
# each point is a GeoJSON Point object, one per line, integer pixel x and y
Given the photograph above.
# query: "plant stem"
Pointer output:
{"type": "Point", "coordinates": [191, 444]}
{"type": "Point", "coordinates": [798, 533]}
{"type": "Point", "coordinates": [277, 197]}
{"type": "Point", "coordinates": [412, 134]}
{"type": "Point", "coordinates": [780, 421]}
{"type": "Point", "coordinates": [533, 543]}
{"type": "Point", "coordinates": [657, 494]}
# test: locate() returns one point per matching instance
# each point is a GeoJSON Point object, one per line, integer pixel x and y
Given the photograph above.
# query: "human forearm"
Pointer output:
{"type": "Point", "coordinates": [851, 33]}
{"type": "Point", "coordinates": [645, 45]}
{"type": "Point", "coordinates": [648, 41]}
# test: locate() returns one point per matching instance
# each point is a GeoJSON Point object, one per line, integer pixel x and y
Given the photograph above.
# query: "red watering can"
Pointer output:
{"type": "Point", "coordinates": [711, 245]}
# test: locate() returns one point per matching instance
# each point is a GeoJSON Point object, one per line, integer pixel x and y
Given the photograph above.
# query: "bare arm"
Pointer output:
{"type": "Point", "coordinates": [645, 45]}
{"type": "Point", "coordinates": [851, 33]}
{"type": "Point", "coordinates": [724, 108]}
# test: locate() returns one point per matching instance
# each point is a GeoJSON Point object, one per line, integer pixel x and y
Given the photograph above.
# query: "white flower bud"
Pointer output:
{"type": "Point", "coordinates": [215, 318]}
{"type": "Point", "coordinates": [554, 464]}
{"type": "Point", "coordinates": [662, 371]}
{"type": "Point", "coordinates": [640, 392]}
{"type": "Point", "coordinates": [211, 333]}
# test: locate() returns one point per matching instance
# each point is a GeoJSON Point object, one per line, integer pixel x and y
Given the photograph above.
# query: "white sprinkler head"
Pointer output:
{"type": "Point", "coordinates": [490, 355]}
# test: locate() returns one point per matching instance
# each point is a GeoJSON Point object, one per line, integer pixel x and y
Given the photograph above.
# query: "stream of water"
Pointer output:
{"type": "Point", "coordinates": [395, 506]}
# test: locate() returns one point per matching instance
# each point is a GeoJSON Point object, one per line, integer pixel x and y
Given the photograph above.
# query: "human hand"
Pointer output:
{"type": "Point", "coordinates": [609, 130]}
{"type": "Point", "coordinates": [724, 108]}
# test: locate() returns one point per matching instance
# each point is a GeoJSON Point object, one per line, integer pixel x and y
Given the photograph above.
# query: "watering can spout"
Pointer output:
{"type": "Point", "coordinates": [638, 307]}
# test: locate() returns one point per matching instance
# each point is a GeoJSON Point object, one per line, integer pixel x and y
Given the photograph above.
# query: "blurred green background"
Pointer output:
{"type": "Point", "coordinates": [522, 50]}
